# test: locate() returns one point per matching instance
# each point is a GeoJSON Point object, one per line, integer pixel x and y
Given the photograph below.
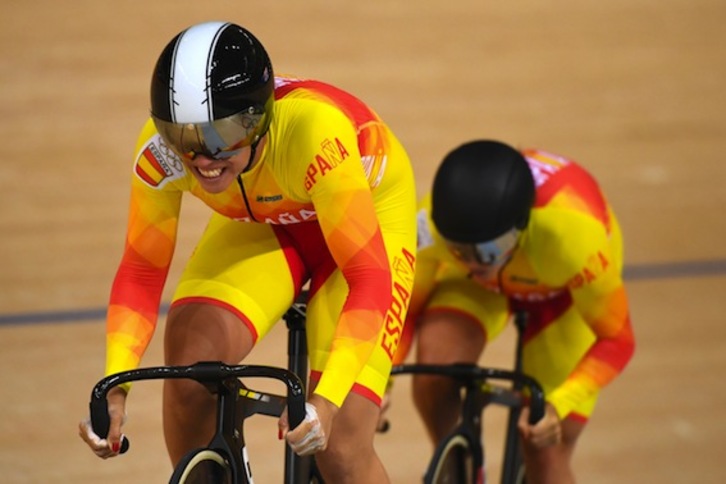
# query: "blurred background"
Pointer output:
{"type": "Point", "coordinates": [633, 90]}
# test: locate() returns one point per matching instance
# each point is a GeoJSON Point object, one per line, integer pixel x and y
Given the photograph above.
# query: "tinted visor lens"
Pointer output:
{"type": "Point", "coordinates": [221, 138]}
{"type": "Point", "coordinates": [489, 253]}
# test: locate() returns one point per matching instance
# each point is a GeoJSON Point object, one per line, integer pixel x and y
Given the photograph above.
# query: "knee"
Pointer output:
{"type": "Point", "coordinates": [549, 464]}
{"type": "Point", "coordinates": [350, 449]}
{"type": "Point", "coordinates": [343, 457]}
{"type": "Point", "coordinates": [198, 332]}
{"type": "Point", "coordinates": [548, 455]}
{"type": "Point", "coordinates": [422, 385]}
{"type": "Point", "coordinates": [430, 390]}
{"type": "Point", "coordinates": [186, 395]}
{"type": "Point", "coordinates": [341, 450]}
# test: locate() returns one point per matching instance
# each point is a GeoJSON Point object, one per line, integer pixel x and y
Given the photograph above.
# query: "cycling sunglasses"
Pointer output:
{"type": "Point", "coordinates": [489, 253]}
{"type": "Point", "coordinates": [218, 139]}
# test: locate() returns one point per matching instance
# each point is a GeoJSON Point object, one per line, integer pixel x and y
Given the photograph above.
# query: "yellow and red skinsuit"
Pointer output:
{"type": "Point", "coordinates": [566, 271]}
{"type": "Point", "coordinates": [331, 171]}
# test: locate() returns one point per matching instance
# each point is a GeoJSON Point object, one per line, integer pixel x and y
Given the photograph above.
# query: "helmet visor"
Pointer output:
{"type": "Point", "coordinates": [218, 139]}
{"type": "Point", "coordinates": [491, 253]}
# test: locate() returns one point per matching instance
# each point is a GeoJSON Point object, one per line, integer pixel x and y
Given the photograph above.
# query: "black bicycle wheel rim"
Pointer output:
{"type": "Point", "coordinates": [202, 466]}
{"type": "Point", "coordinates": [453, 463]}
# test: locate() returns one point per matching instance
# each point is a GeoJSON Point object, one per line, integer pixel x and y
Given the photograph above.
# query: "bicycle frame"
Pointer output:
{"type": "Point", "coordinates": [479, 394]}
{"type": "Point", "coordinates": [512, 454]}
{"type": "Point", "coordinates": [299, 468]}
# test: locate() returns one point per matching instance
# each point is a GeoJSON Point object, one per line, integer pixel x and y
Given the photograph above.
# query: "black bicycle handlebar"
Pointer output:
{"type": "Point", "coordinates": [469, 372]}
{"type": "Point", "coordinates": [203, 372]}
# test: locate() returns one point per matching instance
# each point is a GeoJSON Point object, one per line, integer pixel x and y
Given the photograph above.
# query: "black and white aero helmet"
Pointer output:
{"type": "Point", "coordinates": [212, 90]}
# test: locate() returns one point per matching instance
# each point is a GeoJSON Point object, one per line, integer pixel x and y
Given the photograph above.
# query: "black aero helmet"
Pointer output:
{"type": "Point", "coordinates": [481, 190]}
{"type": "Point", "coordinates": [212, 90]}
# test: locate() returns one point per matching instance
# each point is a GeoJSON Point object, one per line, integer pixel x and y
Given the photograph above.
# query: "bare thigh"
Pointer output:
{"type": "Point", "coordinates": [449, 337]}
{"type": "Point", "coordinates": [197, 332]}
{"type": "Point", "coordinates": [443, 338]}
{"type": "Point", "coordinates": [553, 464]}
{"type": "Point", "coordinates": [350, 450]}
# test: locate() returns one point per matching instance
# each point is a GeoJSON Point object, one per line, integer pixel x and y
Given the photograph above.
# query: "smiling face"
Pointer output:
{"type": "Point", "coordinates": [215, 151]}
{"type": "Point", "coordinates": [215, 175]}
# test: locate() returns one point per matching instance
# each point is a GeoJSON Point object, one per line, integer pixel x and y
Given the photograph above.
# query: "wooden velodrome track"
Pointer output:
{"type": "Point", "coordinates": [633, 89]}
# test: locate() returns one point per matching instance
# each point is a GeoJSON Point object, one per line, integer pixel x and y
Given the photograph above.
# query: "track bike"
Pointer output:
{"type": "Point", "coordinates": [224, 460]}
{"type": "Point", "coordinates": [460, 457]}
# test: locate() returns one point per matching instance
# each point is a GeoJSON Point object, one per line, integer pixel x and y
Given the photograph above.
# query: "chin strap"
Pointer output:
{"type": "Point", "coordinates": [253, 151]}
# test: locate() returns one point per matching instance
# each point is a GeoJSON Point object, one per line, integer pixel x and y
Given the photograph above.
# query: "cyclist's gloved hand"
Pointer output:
{"type": "Point", "coordinates": [99, 446]}
{"type": "Point", "coordinates": [546, 432]}
{"type": "Point", "coordinates": [308, 437]}
{"type": "Point", "coordinates": [111, 445]}
{"type": "Point", "coordinates": [312, 434]}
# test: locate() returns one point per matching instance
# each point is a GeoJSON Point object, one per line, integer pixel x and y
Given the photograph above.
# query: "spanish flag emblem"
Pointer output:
{"type": "Point", "coordinates": [149, 168]}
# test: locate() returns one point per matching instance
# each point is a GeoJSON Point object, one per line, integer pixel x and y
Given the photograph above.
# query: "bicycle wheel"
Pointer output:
{"type": "Point", "coordinates": [453, 463]}
{"type": "Point", "coordinates": [202, 466]}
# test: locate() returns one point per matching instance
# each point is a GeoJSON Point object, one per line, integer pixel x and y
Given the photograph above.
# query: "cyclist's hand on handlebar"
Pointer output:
{"type": "Point", "coordinates": [111, 445]}
{"type": "Point", "coordinates": [312, 434]}
{"type": "Point", "coordinates": [546, 432]}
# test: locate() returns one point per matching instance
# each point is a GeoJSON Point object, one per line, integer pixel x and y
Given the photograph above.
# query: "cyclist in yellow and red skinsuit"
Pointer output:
{"type": "Point", "coordinates": [523, 230]}
{"type": "Point", "coordinates": [306, 183]}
